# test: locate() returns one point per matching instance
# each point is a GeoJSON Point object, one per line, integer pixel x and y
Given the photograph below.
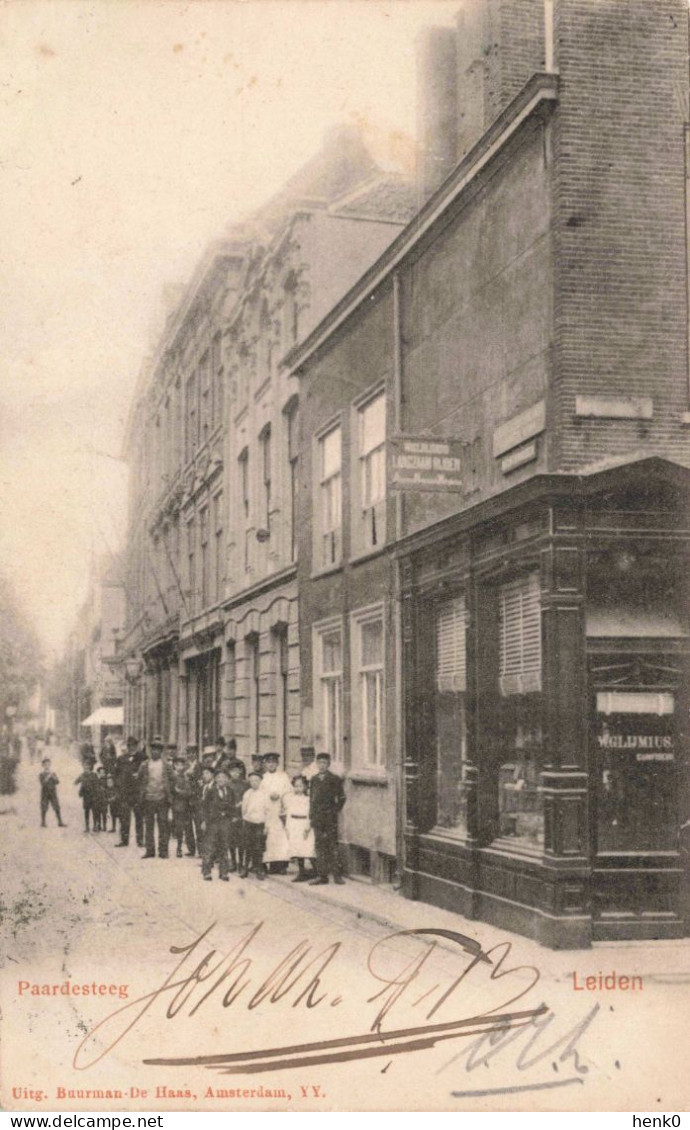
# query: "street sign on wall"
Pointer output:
{"type": "Point", "coordinates": [425, 463]}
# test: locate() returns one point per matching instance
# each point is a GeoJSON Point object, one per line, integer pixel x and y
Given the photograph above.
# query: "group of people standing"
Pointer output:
{"type": "Point", "coordinates": [238, 821]}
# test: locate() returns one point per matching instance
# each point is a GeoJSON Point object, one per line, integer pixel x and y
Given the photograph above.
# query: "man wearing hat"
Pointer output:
{"type": "Point", "coordinates": [326, 799]}
{"type": "Point", "coordinates": [128, 792]}
{"type": "Point", "coordinates": [156, 792]}
{"type": "Point", "coordinates": [275, 785]}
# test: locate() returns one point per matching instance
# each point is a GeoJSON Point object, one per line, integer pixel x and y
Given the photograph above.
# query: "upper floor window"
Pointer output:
{"type": "Point", "coordinates": [292, 421]}
{"type": "Point", "coordinates": [369, 466]}
{"type": "Point", "coordinates": [290, 311]}
{"type": "Point", "coordinates": [243, 467]}
{"type": "Point", "coordinates": [218, 378]}
{"type": "Point", "coordinates": [219, 568]}
{"type": "Point", "coordinates": [206, 398]}
{"type": "Point", "coordinates": [265, 442]}
{"type": "Point", "coordinates": [330, 488]}
{"type": "Point", "coordinates": [191, 418]}
{"type": "Point", "coordinates": [205, 557]}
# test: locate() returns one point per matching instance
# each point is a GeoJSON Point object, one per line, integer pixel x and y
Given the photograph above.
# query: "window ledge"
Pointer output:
{"type": "Point", "coordinates": [508, 846]}
{"type": "Point", "coordinates": [316, 573]}
{"type": "Point", "coordinates": [366, 554]}
{"type": "Point", "coordinates": [368, 777]}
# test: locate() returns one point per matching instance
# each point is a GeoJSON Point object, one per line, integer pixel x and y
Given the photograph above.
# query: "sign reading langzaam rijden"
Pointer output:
{"type": "Point", "coordinates": [425, 463]}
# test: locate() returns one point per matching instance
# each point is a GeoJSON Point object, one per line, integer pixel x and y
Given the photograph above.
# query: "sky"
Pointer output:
{"type": "Point", "coordinates": [132, 132]}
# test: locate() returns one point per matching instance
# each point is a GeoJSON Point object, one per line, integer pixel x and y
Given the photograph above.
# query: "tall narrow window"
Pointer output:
{"type": "Point", "coordinates": [330, 457]}
{"type": "Point", "coordinates": [205, 557]}
{"type": "Point", "coordinates": [206, 397]}
{"type": "Point", "coordinates": [218, 379]}
{"type": "Point", "coordinates": [191, 565]}
{"type": "Point", "coordinates": [521, 812]}
{"type": "Point", "coordinates": [191, 418]}
{"type": "Point", "coordinates": [367, 688]}
{"type": "Point", "coordinates": [290, 312]}
{"type": "Point", "coordinates": [243, 479]}
{"type": "Point", "coordinates": [451, 724]}
{"type": "Point", "coordinates": [265, 441]}
{"type": "Point", "coordinates": [293, 470]}
{"type": "Point", "coordinates": [280, 643]}
{"type": "Point", "coordinates": [219, 557]}
{"type": "Point", "coordinates": [372, 458]}
{"type": "Point", "coordinates": [520, 641]}
{"type": "Point", "coordinates": [329, 690]}
{"type": "Point", "coordinates": [243, 462]}
{"type": "Point", "coordinates": [254, 680]}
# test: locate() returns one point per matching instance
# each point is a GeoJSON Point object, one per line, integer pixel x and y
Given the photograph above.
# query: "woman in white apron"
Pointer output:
{"type": "Point", "coordinates": [275, 785]}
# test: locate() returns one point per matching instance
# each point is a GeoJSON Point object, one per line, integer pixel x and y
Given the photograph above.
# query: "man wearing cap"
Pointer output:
{"type": "Point", "coordinates": [326, 799]}
{"type": "Point", "coordinates": [156, 792]}
{"type": "Point", "coordinates": [128, 792]}
{"type": "Point", "coordinates": [275, 785]}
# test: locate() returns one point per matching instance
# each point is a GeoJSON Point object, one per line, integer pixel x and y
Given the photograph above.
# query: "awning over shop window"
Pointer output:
{"type": "Point", "coordinates": [105, 716]}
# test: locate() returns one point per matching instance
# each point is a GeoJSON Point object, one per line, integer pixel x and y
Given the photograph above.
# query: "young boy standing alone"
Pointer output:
{"type": "Point", "coordinates": [49, 798]}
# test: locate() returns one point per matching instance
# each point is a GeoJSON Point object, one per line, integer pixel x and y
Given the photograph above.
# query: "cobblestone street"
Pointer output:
{"type": "Point", "coordinates": [77, 911]}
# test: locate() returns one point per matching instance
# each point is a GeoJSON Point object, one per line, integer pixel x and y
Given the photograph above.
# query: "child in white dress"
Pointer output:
{"type": "Point", "coordinates": [299, 831]}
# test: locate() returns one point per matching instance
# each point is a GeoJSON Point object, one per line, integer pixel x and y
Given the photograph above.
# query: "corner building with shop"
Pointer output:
{"type": "Point", "coordinates": [500, 666]}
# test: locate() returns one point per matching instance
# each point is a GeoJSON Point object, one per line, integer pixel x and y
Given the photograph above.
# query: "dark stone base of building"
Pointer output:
{"type": "Point", "coordinates": [547, 670]}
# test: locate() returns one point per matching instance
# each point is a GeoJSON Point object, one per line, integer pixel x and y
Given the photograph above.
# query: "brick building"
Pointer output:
{"type": "Point", "coordinates": [529, 625]}
{"type": "Point", "coordinates": [211, 641]}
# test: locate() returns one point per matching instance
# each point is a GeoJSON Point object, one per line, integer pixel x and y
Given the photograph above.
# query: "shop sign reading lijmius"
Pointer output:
{"type": "Point", "coordinates": [425, 463]}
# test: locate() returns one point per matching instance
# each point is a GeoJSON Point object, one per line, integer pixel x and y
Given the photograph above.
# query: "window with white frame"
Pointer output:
{"type": "Point", "coordinates": [328, 689]}
{"type": "Point", "coordinates": [369, 525]}
{"type": "Point", "coordinates": [367, 688]}
{"type": "Point", "coordinates": [330, 489]}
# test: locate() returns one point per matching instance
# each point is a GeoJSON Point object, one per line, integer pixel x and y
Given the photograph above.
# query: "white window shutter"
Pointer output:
{"type": "Point", "coordinates": [520, 636]}
{"type": "Point", "coordinates": [451, 646]}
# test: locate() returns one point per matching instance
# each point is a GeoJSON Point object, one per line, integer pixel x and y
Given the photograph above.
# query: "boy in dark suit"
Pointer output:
{"type": "Point", "coordinates": [326, 800]}
{"type": "Point", "coordinates": [218, 803]}
{"type": "Point", "coordinates": [49, 798]}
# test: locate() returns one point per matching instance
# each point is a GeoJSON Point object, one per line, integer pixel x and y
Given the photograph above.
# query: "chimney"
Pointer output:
{"type": "Point", "coordinates": [437, 108]}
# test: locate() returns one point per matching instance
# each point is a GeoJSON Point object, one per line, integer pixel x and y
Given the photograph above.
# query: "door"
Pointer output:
{"type": "Point", "coordinates": [634, 763]}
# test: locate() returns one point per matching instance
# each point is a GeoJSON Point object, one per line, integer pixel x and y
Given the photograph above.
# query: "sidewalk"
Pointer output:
{"type": "Point", "coordinates": [665, 961]}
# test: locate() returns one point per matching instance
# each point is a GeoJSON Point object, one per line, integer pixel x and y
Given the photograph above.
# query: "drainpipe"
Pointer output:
{"type": "Point", "coordinates": [399, 729]}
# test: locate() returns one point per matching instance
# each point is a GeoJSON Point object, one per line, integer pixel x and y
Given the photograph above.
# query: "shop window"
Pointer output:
{"type": "Point", "coordinates": [521, 815]}
{"type": "Point", "coordinates": [367, 689]}
{"type": "Point", "coordinates": [330, 509]}
{"type": "Point", "coordinates": [328, 690]}
{"type": "Point", "coordinates": [451, 724]}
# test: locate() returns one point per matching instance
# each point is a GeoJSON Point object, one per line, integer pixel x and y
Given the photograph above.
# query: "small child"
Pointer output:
{"type": "Point", "coordinates": [88, 791]}
{"type": "Point", "coordinates": [100, 808]}
{"type": "Point", "coordinates": [217, 805]}
{"type": "Point", "coordinates": [238, 787]}
{"type": "Point", "coordinates": [111, 802]}
{"type": "Point", "coordinates": [253, 820]}
{"type": "Point", "coordinates": [299, 830]}
{"type": "Point", "coordinates": [49, 798]}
